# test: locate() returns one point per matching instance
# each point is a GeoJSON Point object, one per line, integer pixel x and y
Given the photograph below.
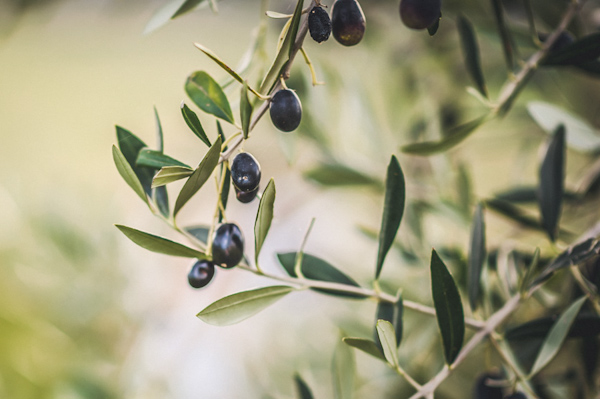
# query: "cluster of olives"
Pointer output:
{"type": "Point", "coordinates": [227, 252]}
{"type": "Point", "coordinates": [490, 386]}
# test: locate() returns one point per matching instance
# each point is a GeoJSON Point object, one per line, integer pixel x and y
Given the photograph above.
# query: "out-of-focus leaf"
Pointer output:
{"type": "Point", "coordinates": [393, 209]}
{"type": "Point", "coordinates": [477, 255]}
{"type": "Point", "coordinates": [572, 256]}
{"type": "Point", "coordinates": [454, 137]}
{"type": "Point", "coordinates": [128, 174]}
{"type": "Point", "coordinates": [314, 268]}
{"type": "Point", "coordinates": [448, 308]}
{"type": "Point", "coordinates": [592, 68]}
{"type": "Point", "coordinates": [302, 388]}
{"type": "Point", "coordinates": [161, 197]}
{"type": "Point", "coordinates": [206, 93]}
{"type": "Point", "coordinates": [277, 15]}
{"type": "Point", "coordinates": [159, 244]}
{"type": "Point", "coordinates": [199, 232]}
{"type": "Point", "coordinates": [283, 54]}
{"type": "Point", "coordinates": [245, 110]}
{"type": "Point", "coordinates": [170, 174]}
{"type": "Point", "coordinates": [581, 135]}
{"type": "Point", "coordinates": [582, 51]}
{"type": "Point", "coordinates": [159, 132]}
{"type": "Point", "coordinates": [556, 336]}
{"type": "Point", "coordinates": [470, 48]}
{"type": "Point", "coordinates": [432, 29]}
{"type": "Point", "coordinates": [200, 176]}
{"type": "Point", "coordinates": [335, 174]}
{"type": "Point", "coordinates": [585, 325]}
{"type": "Point", "coordinates": [366, 346]}
{"type": "Point", "coordinates": [504, 33]}
{"type": "Point", "coordinates": [187, 6]}
{"type": "Point", "coordinates": [464, 189]}
{"type": "Point", "coordinates": [387, 337]}
{"type": "Point", "coordinates": [529, 194]}
{"type": "Point", "coordinates": [552, 176]}
{"type": "Point", "coordinates": [130, 146]}
{"type": "Point", "coordinates": [191, 119]}
{"type": "Point", "coordinates": [343, 369]}
{"type": "Point", "coordinates": [531, 269]}
{"type": "Point", "coordinates": [238, 307]}
{"type": "Point", "coordinates": [162, 16]}
{"type": "Point", "coordinates": [156, 159]}
{"type": "Point", "coordinates": [264, 216]}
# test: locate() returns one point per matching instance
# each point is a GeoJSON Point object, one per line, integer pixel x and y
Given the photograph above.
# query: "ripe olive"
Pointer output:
{"type": "Point", "coordinates": [201, 274]}
{"type": "Point", "coordinates": [486, 386]}
{"type": "Point", "coordinates": [245, 172]}
{"type": "Point", "coordinates": [245, 196]}
{"type": "Point", "coordinates": [286, 110]}
{"type": "Point", "coordinates": [347, 22]}
{"type": "Point", "coordinates": [227, 245]}
{"type": "Point", "coordinates": [319, 24]}
{"type": "Point", "coordinates": [420, 14]}
{"type": "Point", "coordinates": [563, 40]}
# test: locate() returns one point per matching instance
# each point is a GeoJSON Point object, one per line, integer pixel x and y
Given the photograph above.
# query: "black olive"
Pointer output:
{"type": "Point", "coordinates": [245, 197]}
{"type": "Point", "coordinates": [319, 24]}
{"type": "Point", "coordinates": [245, 172]}
{"type": "Point", "coordinates": [227, 245]}
{"type": "Point", "coordinates": [286, 110]}
{"type": "Point", "coordinates": [486, 386]}
{"type": "Point", "coordinates": [201, 274]}
{"type": "Point", "coordinates": [347, 22]}
{"type": "Point", "coordinates": [420, 14]}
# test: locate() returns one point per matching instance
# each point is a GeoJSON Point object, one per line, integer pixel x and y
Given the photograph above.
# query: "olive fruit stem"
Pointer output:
{"type": "Point", "coordinates": [313, 73]}
{"type": "Point", "coordinates": [230, 139]}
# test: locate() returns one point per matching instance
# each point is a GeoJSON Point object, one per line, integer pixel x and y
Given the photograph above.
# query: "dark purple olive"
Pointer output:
{"type": "Point", "coordinates": [563, 40]}
{"type": "Point", "coordinates": [228, 245]}
{"type": "Point", "coordinates": [420, 14]}
{"type": "Point", "coordinates": [201, 274]}
{"type": "Point", "coordinates": [245, 172]}
{"type": "Point", "coordinates": [487, 386]}
{"type": "Point", "coordinates": [319, 24]}
{"type": "Point", "coordinates": [286, 110]}
{"type": "Point", "coordinates": [245, 197]}
{"type": "Point", "coordinates": [516, 395]}
{"type": "Point", "coordinates": [347, 22]}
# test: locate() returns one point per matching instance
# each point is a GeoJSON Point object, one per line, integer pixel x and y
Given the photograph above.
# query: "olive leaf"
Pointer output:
{"type": "Point", "coordinates": [582, 51]}
{"type": "Point", "coordinates": [191, 119]}
{"type": "Point", "coordinates": [238, 307]}
{"type": "Point", "coordinates": [169, 174]}
{"type": "Point", "coordinates": [336, 174]}
{"type": "Point", "coordinates": [245, 110]}
{"type": "Point", "coordinates": [393, 209]}
{"type": "Point", "coordinates": [206, 93]}
{"type": "Point", "coordinates": [156, 159]}
{"type": "Point", "coordinates": [477, 255]}
{"type": "Point", "coordinates": [264, 216]}
{"type": "Point", "coordinates": [470, 49]}
{"type": "Point", "coordinates": [365, 345]}
{"type": "Point", "coordinates": [159, 194]}
{"type": "Point", "coordinates": [552, 176]}
{"type": "Point", "coordinates": [392, 312]}
{"type": "Point", "coordinates": [507, 43]}
{"type": "Point", "coordinates": [343, 368]}
{"type": "Point", "coordinates": [187, 6]}
{"type": "Point", "coordinates": [159, 244]}
{"type": "Point", "coordinates": [302, 388]}
{"type": "Point", "coordinates": [130, 146]}
{"type": "Point", "coordinates": [387, 337]}
{"type": "Point", "coordinates": [127, 173]}
{"type": "Point", "coordinates": [584, 325]}
{"type": "Point", "coordinates": [448, 308]}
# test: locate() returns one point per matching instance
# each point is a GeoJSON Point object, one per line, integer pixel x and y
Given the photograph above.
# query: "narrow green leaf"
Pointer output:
{"type": "Point", "coordinates": [529, 272]}
{"type": "Point", "coordinates": [448, 307]}
{"type": "Point", "coordinates": [127, 173]}
{"type": "Point", "coordinates": [465, 191]}
{"type": "Point", "coordinates": [584, 50]}
{"type": "Point", "coordinates": [169, 174]}
{"type": "Point", "coordinates": [159, 244]}
{"type": "Point", "coordinates": [130, 146]}
{"type": "Point", "coordinates": [238, 307]}
{"type": "Point", "coordinates": [582, 136]}
{"type": "Point", "coordinates": [556, 336]}
{"type": "Point", "coordinates": [199, 232]}
{"type": "Point", "coordinates": [302, 388]}
{"type": "Point", "coordinates": [393, 209]}
{"type": "Point", "coordinates": [159, 194]}
{"type": "Point", "coordinates": [470, 49]}
{"type": "Point", "coordinates": [187, 6]}
{"type": "Point", "coordinates": [477, 255]}
{"type": "Point", "coordinates": [206, 93]}
{"type": "Point", "coordinates": [387, 337]}
{"type": "Point", "coordinates": [366, 346]}
{"type": "Point", "coordinates": [552, 176]}
{"type": "Point", "coordinates": [226, 175]}
{"type": "Point", "coordinates": [157, 160]}
{"type": "Point", "coordinates": [159, 132]}
{"type": "Point", "coordinates": [283, 54]}
{"type": "Point", "coordinates": [199, 177]}
{"type": "Point", "coordinates": [219, 62]}
{"type": "Point", "coordinates": [504, 33]}
{"type": "Point", "coordinates": [245, 110]}
{"type": "Point", "coordinates": [336, 174]}
{"type": "Point", "coordinates": [343, 369]}
{"type": "Point", "coordinates": [191, 119]}
{"type": "Point", "coordinates": [314, 268]}
{"type": "Point", "coordinates": [162, 16]}
{"type": "Point", "coordinates": [264, 216]}
{"type": "Point", "coordinates": [454, 137]}
{"type": "Point", "coordinates": [161, 197]}
{"type": "Point", "coordinates": [586, 325]}
{"type": "Point", "coordinates": [392, 312]}
{"type": "Point", "coordinates": [277, 15]}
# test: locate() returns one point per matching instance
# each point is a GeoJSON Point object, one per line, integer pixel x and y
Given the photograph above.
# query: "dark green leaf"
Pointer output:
{"type": "Point", "coordinates": [206, 93]}
{"type": "Point", "coordinates": [245, 110]}
{"type": "Point", "coordinates": [366, 346]}
{"type": "Point", "coordinates": [191, 119]}
{"type": "Point", "coordinates": [200, 232]}
{"type": "Point", "coordinates": [477, 255]}
{"type": "Point", "coordinates": [127, 173]}
{"type": "Point", "coordinates": [392, 312]}
{"type": "Point", "coordinates": [528, 194]}
{"type": "Point", "coordinates": [226, 186]}
{"type": "Point", "coordinates": [556, 336]}
{"type": "Point", "coordinates": [170, 174]}
{"type": "Point", "coordinates": [302, 388]}
{"type": "Point", "coordinates": [162, 16]}
{"type": "Point", "coordinates": [393, 209]}
{"type": "Point", "coordinates": [504, 33]}
{"type": "Point", "coordinates": [464, 189]}
{"type": "Point", "coordinates": [161, 197]}
{"type": "Point", "coordinates": [454, 137]}
{"type": "Point", "coordinates": [582, 51]}
{"type": "Point", "coordinates": [335, 174]}
{"type": "Point", "coordinates": [238, 307]}
{"type": "Point", "coordinates": [314, 268]}
{"type": "Point", "coordinates": [130, 146]}
{"type": "Point", "coordinates": [156, 159]}
{"type": "Point", "coordinates": [585, 325]}
{"type": "Point", "coordinates": [159, 244]}
{"type": "Point", "coordinates": [529, 273]}
{"type": "Point", "coordinates": [552, 176]}
{"type": "Point", "coordinates": [470, 50]}
{"type": "Point", "coordinates": [264, 216]}
{"type": "Point", "coordinates": [387, 337]}
{"type": "Point", "coordinates": [200, 176]}
{"type": "Point", "coordinates": [343, 369]}
{"type": "Point", "coordinates": [159, 132]}
{"type": "Point", "coordinates": [448, 307]}
{"type": "Point", "coordinates": [187, 6]}
{"type": "Point", "coordinates": [432, 29]}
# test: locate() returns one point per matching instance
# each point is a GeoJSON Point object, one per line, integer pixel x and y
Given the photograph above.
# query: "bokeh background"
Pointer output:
{"type": "Point", "coordinates": [84, 313]}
